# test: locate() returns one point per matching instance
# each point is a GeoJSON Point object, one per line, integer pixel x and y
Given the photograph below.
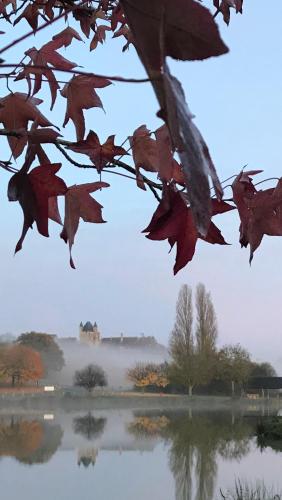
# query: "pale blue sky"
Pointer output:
{"type": "Point", "coordinates": [124, 281]}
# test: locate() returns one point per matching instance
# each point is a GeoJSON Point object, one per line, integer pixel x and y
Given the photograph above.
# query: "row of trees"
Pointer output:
{"type": "Point", "coordinates": [195, 359]}
{"type": "Point", "coordinates": [31, 357]}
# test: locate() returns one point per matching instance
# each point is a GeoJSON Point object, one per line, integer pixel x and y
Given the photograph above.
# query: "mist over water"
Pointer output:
{"type": "Point", "coordinates": [114, 360]}
{"type": "Point", "coordinates": [125, 454]}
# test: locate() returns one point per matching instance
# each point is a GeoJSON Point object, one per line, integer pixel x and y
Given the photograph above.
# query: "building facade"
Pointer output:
{"type": "Point", "coordinates": [89, 334]}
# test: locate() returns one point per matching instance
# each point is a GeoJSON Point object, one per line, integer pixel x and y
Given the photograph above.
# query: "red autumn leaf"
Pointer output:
{"type": "Point", "coordinates": [16, 110]}
{"type": "Point", "coordinates": [48, 8]}
{"type": "Point", "coordinates": [33, 192]}
{"type": "Point", "coordinates": [260, 211]}
{"type": "Point", "coordinates": [79, 204]}
{"type": "Point", "coordinates": [168, 167]}
{"type": "Point", "coordinates": [100, 36]}
{"type": "Point", "coordinates": [48, 55]}
{"type": "Point", "coordinates": [65, 37]}
{"type": "Point", "coordinates": [224, 7]}
{"type": "Point", "coordinates": [117, 17]}
{"type": "Point", "coordinates": [53, 210]}
{"type": "Point", "coordinates": [42, 135]}
{"type": "Point", "coordinates": [99, 154]}
{"type": "Point", "coordinates": [126, 32]}
{"type": "Point", "coordinates": [243, 190]}
{"type": "Point", "coordinates": [38, 74]}
{"type": "Point", "coordinates": [145, 153]}
{"type": "Point", "coordinates": [87, 16]}
{"type": "Point", "coordinates": [189, 31]}
{"type": "Point", "coordinates": [4, 4]}
{"type": "Point", "coordinates": [154, 155]}
{"type": "Point", "coordinates": [80, 95]}
{"type": "Point", "coordinates": [30, 13]}
{"type": "Point", "coordinates": [45, 184]}
{"type": "Point", "coordinates": [173, 221]}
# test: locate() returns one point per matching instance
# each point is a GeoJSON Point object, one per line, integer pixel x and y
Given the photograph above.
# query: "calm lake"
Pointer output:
{"type": "Point", "coordinates": [132, 455]}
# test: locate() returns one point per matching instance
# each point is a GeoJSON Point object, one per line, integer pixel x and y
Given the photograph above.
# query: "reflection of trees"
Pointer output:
{"type": "Point", "coordinates": [89, 426]}
{"type": "Point", "coordinates": [52, 437]}
{"type": "Point", "coordinates": [145, 426]}
{"type": "Point", "coordinates": [196, 443]}
{"type": "Point", "coordinates": [29, 441]}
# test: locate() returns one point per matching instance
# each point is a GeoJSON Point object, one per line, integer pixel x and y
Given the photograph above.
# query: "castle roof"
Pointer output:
{"type": "Point", "coordinates": [88, 327]}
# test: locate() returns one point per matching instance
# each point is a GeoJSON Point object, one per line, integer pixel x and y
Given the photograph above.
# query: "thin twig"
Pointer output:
{"type": "Point", "coordinates": [78, 72]}
{"type": "Point", "coordinates": [115, 163]}
{"type": "Point", "coordinates": [73, 162]}
{"type": "Point", "coordinates": [269, 179]}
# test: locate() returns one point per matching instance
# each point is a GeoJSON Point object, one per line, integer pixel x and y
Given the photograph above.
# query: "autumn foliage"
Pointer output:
{"type": "Point", "coordinates": [148, 374]}
{"type": "Point", "coordinates": [173, 162]}
{"type": "Point", "coordinates": [20, 364]}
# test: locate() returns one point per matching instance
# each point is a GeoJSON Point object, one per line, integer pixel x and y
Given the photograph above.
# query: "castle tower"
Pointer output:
{"type": "Point", "coordinates": [89, 334]}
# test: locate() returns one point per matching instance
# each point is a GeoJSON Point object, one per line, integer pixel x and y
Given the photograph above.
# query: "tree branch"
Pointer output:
{"type": "Point", "coordinates": [77, 72]}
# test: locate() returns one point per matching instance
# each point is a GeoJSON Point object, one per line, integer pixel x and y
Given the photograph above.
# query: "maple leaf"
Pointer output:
{"type": "Point", "coordinates": [48, 55]}
{"type": "Point", "coordinates": [260, 211]}
{"type": "Point", "coordinates": [48, 8]}
{"type": "Point", "coordinates": [15, 112]}
{"type": "Point", "coordinates": [79, 204]}
{"type": "Point", "coordinates": [224, 7]}
{"type": "Point", "coordinates": [243, 190]}
{"type": "Point", "coordinates": [117, 16]}
{"type": "Point", "coordinates": [87, 16]}
{"type": "Point", "coordinates": [154, 155]}
{"type": "Point", "coordinates": [173, 220]}
{"type": "Point", "coordinates": [126, 32]}
{"type": "Point", "coordinates": [100, 36]}
{"type": "Point", "coordinates": [80, 94]}
{"type": "Point", "coordinates": [38, 74]}
{"type": "Point", "coordinates": [99, 154]}
{"type": "Point", "coordinates": [168, 167]}
{"type": "Point", "coordinates": [145, 153]}
{"type": "Point", "coordinates": [189, 31]}
{"type": "Point", "coordinates": [33, 192]}
{"type": "Point", "coordinates": [65, 37]}
{"type": "Point", "coordinates": [30, 13]}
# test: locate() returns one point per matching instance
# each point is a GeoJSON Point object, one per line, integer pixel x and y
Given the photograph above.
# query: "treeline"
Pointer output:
{"type": "Point", "coordinates": [196, 363]}
{"type": "Point", "coordinates": [31, 357]}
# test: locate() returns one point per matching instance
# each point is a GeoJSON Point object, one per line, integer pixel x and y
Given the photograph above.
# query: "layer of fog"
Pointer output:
{"type": "Point", "coordinates": [114, 360]}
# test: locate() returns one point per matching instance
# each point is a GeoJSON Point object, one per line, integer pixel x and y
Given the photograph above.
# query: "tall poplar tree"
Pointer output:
{"type": "Point", "coordinates": [183, 367]}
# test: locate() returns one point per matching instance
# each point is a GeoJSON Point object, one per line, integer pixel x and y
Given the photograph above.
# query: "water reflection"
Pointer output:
{"type": "Point", "coordinates": [87, 456]}
{"type": "Point", "coordinates": [195, 444]}
{"type": "Point", "coordinates": [29, 441]}
{"type": "Point", "coordinates": [89, 426]}
{"type": "Point", "coordinates": [185, 448]}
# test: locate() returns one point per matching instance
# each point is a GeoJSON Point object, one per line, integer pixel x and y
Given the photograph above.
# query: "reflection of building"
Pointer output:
{"type": "Point", "coordinates": [87, 456]}
{"type": "Point", "coordinates": [90, 335]}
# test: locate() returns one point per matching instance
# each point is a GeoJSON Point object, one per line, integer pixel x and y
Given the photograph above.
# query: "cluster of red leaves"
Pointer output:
{"type": "Point", "coordinates": [37, 193]}
{"type": "Point", "coordinates": [155, 155]}
{"type": "Point", "coordinates": [182, 29]}
{"type": "Point", "coordinates": [260, 211]}
{"type": "Point", "coordinates": [173, 221]}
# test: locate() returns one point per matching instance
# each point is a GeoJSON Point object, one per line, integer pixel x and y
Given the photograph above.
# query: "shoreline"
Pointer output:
{"type": "Point", "coordinates": [128, 400]}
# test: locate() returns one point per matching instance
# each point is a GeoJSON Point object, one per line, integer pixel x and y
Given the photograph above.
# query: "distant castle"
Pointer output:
{"type": "Point", "coordinates": [90, 334]}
